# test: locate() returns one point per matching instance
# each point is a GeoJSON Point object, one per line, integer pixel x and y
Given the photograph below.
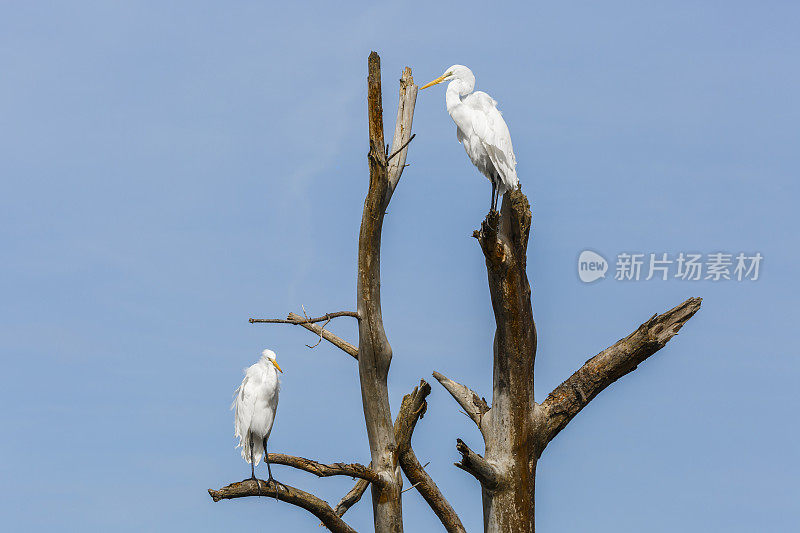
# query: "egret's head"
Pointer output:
{"type": "Point", "coordinates": [457, 73]}
{"type": "Point", "coordinates": [270, 356]}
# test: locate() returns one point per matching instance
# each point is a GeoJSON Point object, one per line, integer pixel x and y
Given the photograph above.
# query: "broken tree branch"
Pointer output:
{"type": "Point", "coordinates": [352, 497]}
{"type": "Point", "coordinates": [411, 410]}
{"type": "Point", "coordinates": [323, 470]}
{"type": "Point", "coordinates": [325, 334]}
{"type": "Point", "coordinates": [475, 464]}
{"type": "Point", "coordinates": [402, 130]}
{"type": "Point", "coordinates": [605, 368]}
{"type": "Point", "coordinates": [473, 405]}
{"type": "Point", "coordinates": [302, 320]}
{"type": "Point", "coordinates": [291, 495]}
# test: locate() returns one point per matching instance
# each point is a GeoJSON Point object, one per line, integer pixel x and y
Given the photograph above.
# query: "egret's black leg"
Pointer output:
{"type": "Point", "coordinates": [266, 460]}
{"type": "Point", "coordinates": [252, 463]}
{"type": "Point", "coordinates": [269, 470]}
{"type": "Point", "coordinates": [492, 204]}
{"type": "Point", "coordinates": [253, 466]}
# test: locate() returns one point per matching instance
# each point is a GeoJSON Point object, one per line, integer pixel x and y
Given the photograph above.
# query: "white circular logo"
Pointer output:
{"type": "Point", "coordinates": [591, 266]}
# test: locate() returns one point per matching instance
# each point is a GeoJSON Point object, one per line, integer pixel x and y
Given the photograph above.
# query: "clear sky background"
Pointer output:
{"type": "Point", "coordinates": [169, 171]}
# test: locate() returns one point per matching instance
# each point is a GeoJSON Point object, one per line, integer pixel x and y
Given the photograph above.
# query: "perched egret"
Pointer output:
{"type": "Point", "coordinates": [481, 129]}
{"type": "Point", "coordinates": [254, 410]}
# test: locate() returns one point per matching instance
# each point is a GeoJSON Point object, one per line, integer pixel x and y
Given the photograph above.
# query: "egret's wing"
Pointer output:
{"type": "Point", "coordinates": [244, 407]}
{"type": "Point", "coordinates": [492, 130]}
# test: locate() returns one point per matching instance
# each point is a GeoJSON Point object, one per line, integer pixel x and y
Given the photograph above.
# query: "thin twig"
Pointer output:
{"type": "Point", "coordinates": [327, 335]}
{"type": "Point", "coordinates": [417, 483]}
{"type": "Point", "coordinates": [401, 148]}
{"type": "Point", "coordinates": [320, 336]}
{"type": "Point", "coordinates": [411, 487]}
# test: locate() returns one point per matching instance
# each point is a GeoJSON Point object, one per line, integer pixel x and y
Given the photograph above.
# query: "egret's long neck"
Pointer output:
{"type": "Point", "coordinates": [455, 106]}
{"type": "Point", "coordinates": [452, 97]}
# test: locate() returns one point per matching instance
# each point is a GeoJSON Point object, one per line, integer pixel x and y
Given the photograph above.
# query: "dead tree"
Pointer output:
{"type": "Point", "coordinates": [514, 427]}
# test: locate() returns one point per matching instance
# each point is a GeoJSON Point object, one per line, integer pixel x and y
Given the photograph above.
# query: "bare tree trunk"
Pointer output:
{"type": "Point", "coordinates": [374, 351]}
{"type": "Point", "coordinates": [509, 424]}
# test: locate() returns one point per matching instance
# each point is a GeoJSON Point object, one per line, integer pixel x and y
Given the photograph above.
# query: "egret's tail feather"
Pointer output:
{"type": "Point", "coordinates": [258, 449]}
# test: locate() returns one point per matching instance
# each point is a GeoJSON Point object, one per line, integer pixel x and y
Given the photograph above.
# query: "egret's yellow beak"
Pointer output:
{"type": "Point", "coordinates": [440, 79]}
{"type": "Point", "coordinates": [278, 367]}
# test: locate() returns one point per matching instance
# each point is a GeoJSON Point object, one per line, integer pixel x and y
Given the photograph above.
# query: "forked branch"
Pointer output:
{"type": "Point", "coordinates": [330, 518]}
{"type": "Point", "coordinates": [291, 495]}
{"type": "Point", "coordinates": [605, 368]}
{"type": "Point", "coordinates": [411, 410]}
{"type": "Point", "coordinates": [475, 406]}
{"type": "Point", "coordinates": [374, 350]}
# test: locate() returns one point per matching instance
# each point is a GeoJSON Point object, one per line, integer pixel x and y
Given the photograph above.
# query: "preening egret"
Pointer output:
{"type": "Point", "coordinates": [481, 129]}
{"type": "Point", "coordinates": [254, 410]}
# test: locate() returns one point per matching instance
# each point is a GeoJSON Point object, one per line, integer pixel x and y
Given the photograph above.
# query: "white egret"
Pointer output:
{"type": "Point", "coordinates": [254, 410]}
{"type": "Point", "coordinates": [481, 129]}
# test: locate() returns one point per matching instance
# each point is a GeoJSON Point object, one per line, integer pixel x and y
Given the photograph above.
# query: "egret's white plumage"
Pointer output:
{"type": "Point", "coordinates": [480, 128]}
{"type": "Point", "coordinates": [254, 407]}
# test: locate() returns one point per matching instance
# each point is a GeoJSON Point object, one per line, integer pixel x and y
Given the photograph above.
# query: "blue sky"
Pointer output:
{"type": "Point", "coordinates": [169, 171]}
